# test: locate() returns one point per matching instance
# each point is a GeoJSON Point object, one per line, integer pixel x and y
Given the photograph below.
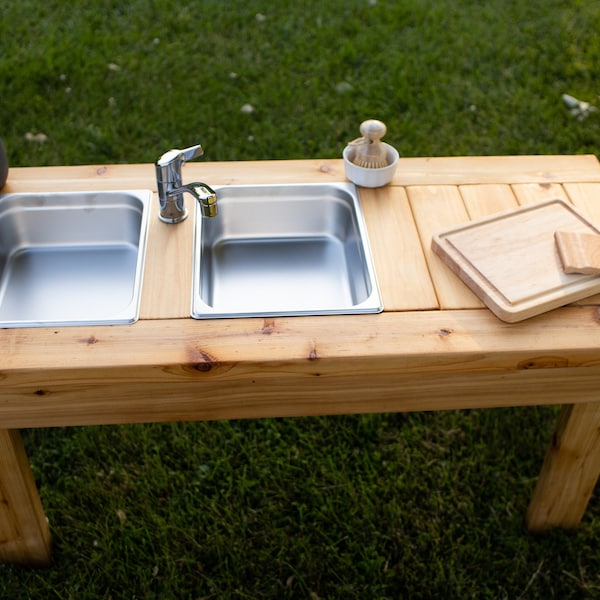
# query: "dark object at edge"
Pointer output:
{"type": "Point", "coordinates": [3, 165]}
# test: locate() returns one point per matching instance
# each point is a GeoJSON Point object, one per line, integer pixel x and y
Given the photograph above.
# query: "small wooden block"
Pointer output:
{"type": "Point", "coordinates": [578, 252]}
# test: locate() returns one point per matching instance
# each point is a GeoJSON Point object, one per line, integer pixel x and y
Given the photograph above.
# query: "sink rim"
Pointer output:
{"type": "Point", "coordinates": [371, 304]}
{"type": "Point", "coordinates": [138, 200]}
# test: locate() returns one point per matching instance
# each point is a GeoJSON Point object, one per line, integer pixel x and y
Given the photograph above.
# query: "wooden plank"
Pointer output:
{"type": "Point", "coordinates": [100, 177]}
{"type": "Point", "coordinates": [24, 531]}
{"type": "Point", "coordinates": [453, 170]}
{"type": "Point", "coordinates": [496, 169]}
{"type": "Point", "coordinates": [484, 200]}
{"type": "Point", "coordinates": [410, 340]}
{"type": "Point", "coordinates": [80, 178]}
{"type": "Point", "coordinates": [570, 471]}
{"type": "Point", "coordinates": [436, 208]}
{"type": "Point", "coordinates": [531, 193]}
{"type": "Point", "coordinates": [586, 196]}
{"type": "Point", "coordinates": [167, 284]}
{"type": "Point", "coordinates": [400, 264]}
{"type": "Point", "coordinates": [252, 368]}
{"type": "Point", "coordinates": [160, 396]}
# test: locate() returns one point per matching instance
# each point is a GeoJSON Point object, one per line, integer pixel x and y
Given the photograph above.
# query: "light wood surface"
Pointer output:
{"type": "Point", "coordinates": [544, 171]}
{"type": "Point", "coordinates": [578, 252]}
{"type": "Point", "coordinates": [510, 259]}
{"type": "Point", "coordinates": [401, 267]}
{"type": "Point", "coordinates": [166, 289]}
{"type": "Point", "coordinates": [300, 366]}
{"type": "Point", "coordinates": [435, 346]}
{"type": "Point", "coordinates": [24, 531]}
{"type": "Point", "coordinates": [574, 458]}
{"type": "Point", "coordinates": [498, 198]}
{"type": "Point", "coordinates": [436, 208]}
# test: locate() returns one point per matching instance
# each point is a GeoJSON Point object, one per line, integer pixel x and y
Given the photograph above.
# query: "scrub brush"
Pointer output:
{"type": "Point", "coordinates": [369, 152]}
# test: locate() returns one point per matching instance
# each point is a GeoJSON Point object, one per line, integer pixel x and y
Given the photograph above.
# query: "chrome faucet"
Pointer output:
{"type": "Point", "coordinates": [171, 187]}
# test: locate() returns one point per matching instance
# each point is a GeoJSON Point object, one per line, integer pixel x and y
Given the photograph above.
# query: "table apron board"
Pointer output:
{"type": "Point", "coordinates": [297, 366]}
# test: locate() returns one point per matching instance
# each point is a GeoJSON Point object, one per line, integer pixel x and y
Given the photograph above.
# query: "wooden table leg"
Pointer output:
{"type": "Point", "coordinates": [24, 531]}
{"type": "Point", "coordinates": [570, 470]}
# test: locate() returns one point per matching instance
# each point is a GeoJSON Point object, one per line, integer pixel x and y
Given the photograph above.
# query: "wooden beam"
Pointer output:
{"type": "Point", "coordinates": [570, 471]}
{"type": "Point", "coordinates": [24, 531]}
{"type": "Point", "coordinates": [445, 170]}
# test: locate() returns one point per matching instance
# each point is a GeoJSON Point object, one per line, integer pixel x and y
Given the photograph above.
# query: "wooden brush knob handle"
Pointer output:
{"type": "Point", "coordinates": [373, 129]}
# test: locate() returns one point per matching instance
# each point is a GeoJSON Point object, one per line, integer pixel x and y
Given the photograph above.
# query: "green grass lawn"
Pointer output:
{"type": "Point", "coordinates": [363, 507]}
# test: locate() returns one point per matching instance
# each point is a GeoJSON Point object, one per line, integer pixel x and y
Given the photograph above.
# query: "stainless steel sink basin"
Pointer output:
{"type": "Point", "coordinates": [72, 258]}
{"type": "Point", "coordinates": [283, 250]}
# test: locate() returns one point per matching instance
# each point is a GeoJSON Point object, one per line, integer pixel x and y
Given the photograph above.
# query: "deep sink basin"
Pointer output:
{"type": "Point", "coordinates": [283, 250]}
{"type": "Point", "coordinates": [72, 258]}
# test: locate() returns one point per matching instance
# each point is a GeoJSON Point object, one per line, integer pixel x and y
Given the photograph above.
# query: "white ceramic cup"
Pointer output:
{"type": "Point", "coordinates": [366, 177]}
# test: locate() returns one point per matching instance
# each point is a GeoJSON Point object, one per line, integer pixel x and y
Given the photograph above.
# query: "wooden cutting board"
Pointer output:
{"type": "Point", "coordinates": [511, 262]}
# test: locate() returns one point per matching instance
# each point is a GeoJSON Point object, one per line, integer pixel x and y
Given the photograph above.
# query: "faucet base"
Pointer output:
{"type": "Point", "coordinates": [173, 220]}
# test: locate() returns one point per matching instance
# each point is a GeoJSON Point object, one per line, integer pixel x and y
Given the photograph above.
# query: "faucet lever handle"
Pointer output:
{"type": "Point", "coordinates": [192, 152]}
{"type": "Point", "coordinates": [176, 157]}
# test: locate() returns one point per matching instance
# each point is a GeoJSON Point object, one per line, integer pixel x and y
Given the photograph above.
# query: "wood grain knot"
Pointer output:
{"type": "Point", "coordinates": [40, 392]}
{"type": "Point", "coordinates": [91, 340]}
{"type": "Point", "coordinates": [444, 331]}
{"type": "Point", "coordinates": [268, 326]}
{"type": "Point", "coordinates": [201, 361]}
{"type": "Point", "coordinates": [543, 362]}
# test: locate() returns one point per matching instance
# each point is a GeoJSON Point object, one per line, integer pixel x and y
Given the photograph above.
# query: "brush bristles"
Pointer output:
{"type": "Point", "coordinates": [370, 163]}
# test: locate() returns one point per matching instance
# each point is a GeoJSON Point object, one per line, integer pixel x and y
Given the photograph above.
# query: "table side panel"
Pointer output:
{"type": "Point", "coordinates": [426, 360]}
{"type": "Point", "coordinates": [171, 394]}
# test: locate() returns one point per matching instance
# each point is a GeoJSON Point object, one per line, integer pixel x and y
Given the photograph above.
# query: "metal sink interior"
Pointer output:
{"type": "Point", "coordinates": [73, 258]}
{"type": "Point", "coordinates": [275, 250]}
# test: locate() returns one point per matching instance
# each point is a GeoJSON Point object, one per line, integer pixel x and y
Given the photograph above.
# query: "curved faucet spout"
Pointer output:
{"type": "Point", "coordinates": [204, 194]}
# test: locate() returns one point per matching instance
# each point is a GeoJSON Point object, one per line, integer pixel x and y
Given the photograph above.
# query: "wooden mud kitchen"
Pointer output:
{"type": "Point", "coordinates": [435, 346]}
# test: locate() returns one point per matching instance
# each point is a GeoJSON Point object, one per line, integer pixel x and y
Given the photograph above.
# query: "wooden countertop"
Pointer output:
{"type": "Point", "coordinates": [434, 347]}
